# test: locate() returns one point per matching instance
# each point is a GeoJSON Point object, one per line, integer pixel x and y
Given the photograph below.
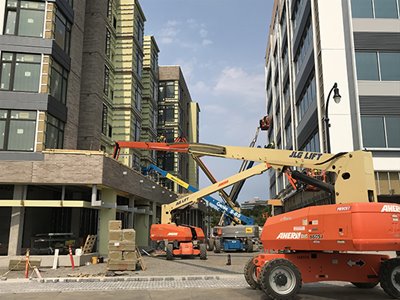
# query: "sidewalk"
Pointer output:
{"type": "Point", "coordinates": [155, 266]}
{"type": "Point", "coordinates": [215, 265]}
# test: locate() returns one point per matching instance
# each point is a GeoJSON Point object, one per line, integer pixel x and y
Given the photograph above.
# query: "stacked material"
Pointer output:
{"type": "Point", "coordinates": [122, 255]}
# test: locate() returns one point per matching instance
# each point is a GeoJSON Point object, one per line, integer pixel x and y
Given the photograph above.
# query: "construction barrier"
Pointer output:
{"type": "Point", "coordinates": [71, 258]}
{"type": "Point", "coordinates": [27, 263]}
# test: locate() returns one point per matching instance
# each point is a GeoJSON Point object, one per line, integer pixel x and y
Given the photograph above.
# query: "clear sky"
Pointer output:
{"type": "Point", "coordinates": [220, 46]}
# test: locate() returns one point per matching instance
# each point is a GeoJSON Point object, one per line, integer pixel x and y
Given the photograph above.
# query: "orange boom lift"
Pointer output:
{"type": "Point", "coordinates": [315, 243]}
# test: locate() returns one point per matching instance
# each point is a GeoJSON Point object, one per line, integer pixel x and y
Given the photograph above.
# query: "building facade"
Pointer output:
{"type": "Point", "coordinates": [150, 98]}
{"type": "Point", "coordinates": [71, 84]}
{"type": "Point", "coordinates": [177, 120]}
{"type": "Point", "coordinates": [313, 44]}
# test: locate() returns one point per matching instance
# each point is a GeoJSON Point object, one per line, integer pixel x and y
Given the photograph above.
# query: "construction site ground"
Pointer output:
{"type": "Point", "coordinates": [155, 266]}
{"type": "Point", "coordinates": [179, 278]}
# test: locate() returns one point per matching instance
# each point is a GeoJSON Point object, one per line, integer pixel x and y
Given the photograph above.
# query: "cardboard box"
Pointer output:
{"type": "Point", "coordinates": [115, 235]}
{"type": "Point", "coordinates": [115, 255]}
{"type": "Point", "coordinates": [129, 255]}
{"type": "Point", "coordinates": [115, 225]}
{"type": "Point", "coordinates": [121, 246]}
{"type": "Point", "coordinates": [129, 235]}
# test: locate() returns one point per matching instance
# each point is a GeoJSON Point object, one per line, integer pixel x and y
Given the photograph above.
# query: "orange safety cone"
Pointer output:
{"type": "Point", "coordinates": [27, 263]}
{"type": "Point", "coordinates": [71, 258]}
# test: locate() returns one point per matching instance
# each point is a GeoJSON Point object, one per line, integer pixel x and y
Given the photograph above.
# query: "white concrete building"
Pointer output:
{"type": "Point", "coordinates": [313, 44]}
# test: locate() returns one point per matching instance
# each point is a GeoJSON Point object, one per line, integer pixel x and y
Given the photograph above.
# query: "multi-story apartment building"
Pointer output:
{"type": "Point", "coordinates": [70, 82]}
{"type": "Point", "coordinates": [150, 98]}
{"type": "Point", "coordinates": [177, 119]}
{"type": "Point", "coordinates": [112, 77]}
{"type": "Point", "coordinates": [313, 44]}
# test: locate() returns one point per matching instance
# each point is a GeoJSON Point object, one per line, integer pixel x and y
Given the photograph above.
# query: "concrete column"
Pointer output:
{"type": "Point", "coordinates": [17, 222]}
{"type": "Point", "coordinates": [131, 216]}
{"type": "Point", "coordinates": [106, 213]}
{"type": "Point", "coordinates": [142, 224]}
{"type": "Point", "coordinates": [142, 229]}
{"type": "Point", "coordinates": [153, 206]}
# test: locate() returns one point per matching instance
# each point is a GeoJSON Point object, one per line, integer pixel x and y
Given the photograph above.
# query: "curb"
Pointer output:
{"type": "Point", "coordinates": [123, 279]}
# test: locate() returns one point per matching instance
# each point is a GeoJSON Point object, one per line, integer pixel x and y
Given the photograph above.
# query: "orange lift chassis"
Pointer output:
{"type": "Point", "coordinates": [315, 243]}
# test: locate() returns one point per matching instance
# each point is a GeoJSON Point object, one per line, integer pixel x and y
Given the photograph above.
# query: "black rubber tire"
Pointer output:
{"type": "Point", "coordinates": [217, 246]}
{"type": "Point", "coordinates": [169, 252]}
{"type": "Point", "coordinates": [280, 267]}
{"type": "Point", "coordinates": [365, 285]}
{"type": "Point", "coordinates": [249, 246]}
{"type": "Point", "coordinates": [389, 277]}
{"type": "Point", "coordinates": [203, 251]}
{"type": "Point", "coordinates": [210, 244]}
{"type": "Point", "coordinates": [250, 274]}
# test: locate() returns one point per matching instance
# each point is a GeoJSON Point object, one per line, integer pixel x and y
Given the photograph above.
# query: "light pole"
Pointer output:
{"type": "Point", "coordinates": [336, 97]}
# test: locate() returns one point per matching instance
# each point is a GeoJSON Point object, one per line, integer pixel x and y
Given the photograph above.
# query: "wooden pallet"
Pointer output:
{"type": "Point", "coordinates": [140, 259]}
{"type": "Point", "coordinates": [89, 244]}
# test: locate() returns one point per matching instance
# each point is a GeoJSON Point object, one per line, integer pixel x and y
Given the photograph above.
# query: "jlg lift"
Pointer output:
{"type": "Point", "coordinates": [230, 237]}
{"type": "Point", "coordinates": [314, 243]}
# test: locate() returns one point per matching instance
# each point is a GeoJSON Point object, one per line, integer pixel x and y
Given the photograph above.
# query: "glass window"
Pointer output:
{"type": "Point", "coordinates": [169, 135]}
{"type": "Point", "coordinates": [27, 76]}
{"type": "Point", "coordinates": [108, 43]}
{"type": "Point", "coordinates": [389, 65]}
{"type": "Point", "coordinates": [385, 8]}
{"type": "Point", "coordinates": [115, 22]}
{"type": "Point", "coordinates": [288, 134]}
{"type": "Point", "coordinates": [106, 82]}
{"type": "Point", "coordinates": [5, 76]}
{"type": "Point", "coordinates": [11, 18]}
{"type": "Point", "coordinates": [161, 91]}
{"type": "Point", "coordinates": [62, 32]}
{"type": "Point", "coordinates": [17, 130]}
{"type": "Point", "coordinates": [54, 133]}
{"type": "Point", "coordinates": [139, 64]}
{"type": "Point", "coordinates": [393, 131]}
{"type": "Point", "coordinates": [21, 135]}
{"type": "Point", "coordinates": [307, 98]}
{"type": "Point", "coordinates": [140, 32]}
{"type": "Point", "coordinates": [166, 90]}
{"type": "Point", "coordinates": [362, 8]}
{"type": "Point", "coordinates": [138, 97]}
{"type": "Point", "coordinates": [169, 161]}
{"type": "Point", "coordinates": [305, 46]}
{"type": "Point", "coordinates": [137, 130]}
{"type": "Point", "coordinates": [31, 23]}
{"type": "Point", "coordinates": [3, 120]}
{"type": "Point", "coordinates": [20, 72]}
{"type": "Point", "coordinates": [58, 82]}
{"type": "Point", "coordinates": [367, 66]}
{"type": "Point", "coordinates": [104, 119]}
{"type": "Point", "coordinates": [373, 131]}
{"type": "Point", "coordinates": [170, 90]}
{"type": "Point", "coordinates": [25, 18]}
{"type": "Point", "coordinates": [169, 115]}
{"type": "Point", "coordinates": [312, 143]}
